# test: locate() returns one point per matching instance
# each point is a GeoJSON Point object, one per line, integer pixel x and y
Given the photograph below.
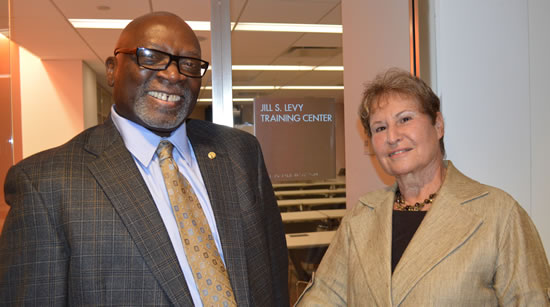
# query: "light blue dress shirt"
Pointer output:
{"type": "Point", "coordinates": [142, 144]}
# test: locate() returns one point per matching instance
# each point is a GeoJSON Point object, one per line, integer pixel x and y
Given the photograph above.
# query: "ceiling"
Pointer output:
{"type": "Point", "coordinates": [42, 27]}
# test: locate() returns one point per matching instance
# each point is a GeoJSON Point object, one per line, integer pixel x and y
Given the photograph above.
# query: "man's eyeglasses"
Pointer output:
{"type": "Point", "coordinates": [159, 60]}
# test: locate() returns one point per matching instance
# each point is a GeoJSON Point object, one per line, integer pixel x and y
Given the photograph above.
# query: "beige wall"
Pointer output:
{"type": "Point", "coordinates": [51, 102]}
{"type": "Point", "coordinates": [89, 96]}
{"type": "Point", "coordinates": [6, 152]}
{"type": "Point", "coordinates": [376, 37]}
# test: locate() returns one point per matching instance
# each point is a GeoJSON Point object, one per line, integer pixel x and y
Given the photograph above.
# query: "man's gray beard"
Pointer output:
{"type": "Point", "coordinates": [142, 109]}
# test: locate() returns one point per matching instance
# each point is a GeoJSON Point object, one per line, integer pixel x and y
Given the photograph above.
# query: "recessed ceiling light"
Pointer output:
{"type": "Point", "coordinates": [199, 25]}
{"type": "Point", "coordinates": [99, 23]}
{"type": "Point", "coordinates": [234, 99]}
{"type": "Point", "coordinates": [205, 26]}
{"type": "Point", "coordinates": [312, 87]}
{"type": "Point", "coordinates": [287, 67]}
{"type": "Point", "coordinates": [282, 87]}
{"type": "Point", "coordinates": [329, 68]}
{"type": "Point", "coordinates": [288, 27]}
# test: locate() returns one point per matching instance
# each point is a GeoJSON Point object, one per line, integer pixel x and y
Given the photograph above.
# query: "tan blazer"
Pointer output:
{"type": "Point", "coordinates": [475, 247]}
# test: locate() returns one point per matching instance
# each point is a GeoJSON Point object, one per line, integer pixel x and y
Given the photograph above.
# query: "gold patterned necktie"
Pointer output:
{"type": "Point", "coordinates": [200, 249]}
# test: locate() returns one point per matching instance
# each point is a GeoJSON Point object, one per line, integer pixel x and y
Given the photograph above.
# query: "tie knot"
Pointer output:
{"type": "Point", "coordinates": [164, 151]}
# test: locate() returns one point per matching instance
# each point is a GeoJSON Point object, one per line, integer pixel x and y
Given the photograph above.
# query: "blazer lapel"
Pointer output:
{"type": "Point", "coordinates": [371, 239]}
{"type": "Point", "coordinates": [116, 172]}
{"type": "Point", "coordinates": [219, 179]}
{"type": "Point", "coordinates": [437, 237]}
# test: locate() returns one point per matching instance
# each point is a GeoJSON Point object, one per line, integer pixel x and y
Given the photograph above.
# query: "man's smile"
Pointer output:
{"type": "Point", "coordinates": [164, 96]}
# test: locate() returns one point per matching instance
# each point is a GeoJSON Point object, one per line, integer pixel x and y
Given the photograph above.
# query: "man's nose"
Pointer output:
{"type": "Point", "coordinates": [171, 73]}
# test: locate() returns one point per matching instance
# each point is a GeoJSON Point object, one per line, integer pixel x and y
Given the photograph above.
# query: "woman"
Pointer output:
{"type": "Point", "coordinates": [436, 237]}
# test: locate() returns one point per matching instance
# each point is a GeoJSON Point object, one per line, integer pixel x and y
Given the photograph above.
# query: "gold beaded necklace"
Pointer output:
{"type": "Point", "coordinates": [400, 202]}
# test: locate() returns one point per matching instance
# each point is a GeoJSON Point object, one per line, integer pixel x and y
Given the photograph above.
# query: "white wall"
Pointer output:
{"type": "Point", "coordinates": [492, 72]}
{"type": "Point", "coordinates": [376, 37]}
{"type": "Point", "coordinates": [539, 77]}
{"type": "Point", "coordinates": [483, 78]}
{"type": "Point", "coordinates": [51, 101]}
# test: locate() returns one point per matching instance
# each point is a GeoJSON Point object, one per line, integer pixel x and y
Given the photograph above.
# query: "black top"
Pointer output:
{"type": "Point", "coordinates": [404, 225]}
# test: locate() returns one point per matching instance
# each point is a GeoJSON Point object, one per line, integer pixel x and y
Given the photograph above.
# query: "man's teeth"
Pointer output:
{"type": "Point", "coordinates": [164, 96]}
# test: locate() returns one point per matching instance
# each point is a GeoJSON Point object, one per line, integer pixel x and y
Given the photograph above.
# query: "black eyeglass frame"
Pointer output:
{"type": "Point", "coordinates": [176, 58]}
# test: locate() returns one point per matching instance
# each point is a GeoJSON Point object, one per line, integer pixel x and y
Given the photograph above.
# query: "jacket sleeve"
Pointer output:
{"type": "Point", "coordinates": [276, 236]}
{"type": "Point", "coordinates": [33, 257]}
{"type": "Point", "coordinates": [522, 275]}
{"type": "Point", "coordinates": [328, 286]}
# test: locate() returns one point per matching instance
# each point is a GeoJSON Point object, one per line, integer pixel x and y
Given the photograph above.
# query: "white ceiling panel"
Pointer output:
{"type": "Point", "coordinates": [287, 11]}
{"type": "Point", "coordinates": [274, 77]}
{"type": "Point", "coordinates": [310, 61]}
{"type": "Point", "coordinates": [119, 9]}
{"type": "Point", "coordinates": [260, 44]}
{"type": "Point", "coordinates": [192, 10]}
{"type": "Point", "coordinates": [101, 41]}
{"type": "Point", "coordinates": [334, 17]}
{"type": "Point", "coordinates": [244, 76]}
{"type": "Point", "coordinates": [41, 26]}
{"type": "Point", "coordinates": [320, 40]}
{"type": "Point", "coordinates": [334, 61]}
{"type": "Point", "coordinates": [318, 78]}
{"type": "Point", "coordinates": [337, 95]}
{"type": "Point", "coordinates": [236, 7]}
{"type": "Point", "coordinates": [254, 59]}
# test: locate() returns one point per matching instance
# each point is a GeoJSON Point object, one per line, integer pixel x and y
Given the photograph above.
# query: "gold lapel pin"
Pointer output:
{"type": "Point", "coordinates": [212, 155]}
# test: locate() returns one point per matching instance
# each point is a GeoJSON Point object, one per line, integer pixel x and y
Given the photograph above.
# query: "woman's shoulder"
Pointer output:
{"type": "Point", "coordinates": [469, 189]}
{"type": "Point", "coordinates": [377, 197]}
{"type": "Point", "coordinates": [481, 199]}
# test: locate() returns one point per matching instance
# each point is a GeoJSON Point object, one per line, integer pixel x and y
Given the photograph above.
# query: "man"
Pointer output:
{"type": "Point", "coordinates": [91, 222]}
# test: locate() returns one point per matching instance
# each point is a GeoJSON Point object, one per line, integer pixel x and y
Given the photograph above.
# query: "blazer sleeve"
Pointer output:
{"type": "Point", "coordinates": [522, 275]}
{"type": "Point", "coordinates": [33, 255]}
{"type": "Point", "coordinates": [328, 286]}
{"type": "Point", "coordinates": [276, 236]}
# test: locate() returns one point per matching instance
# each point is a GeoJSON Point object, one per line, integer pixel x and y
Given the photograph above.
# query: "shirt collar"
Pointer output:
{"type": "Point", "coordinates": [143, 143]}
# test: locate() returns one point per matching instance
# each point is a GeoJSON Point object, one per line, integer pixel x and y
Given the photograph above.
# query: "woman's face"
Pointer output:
{"type": "Point", "coordinates": [404, 139]}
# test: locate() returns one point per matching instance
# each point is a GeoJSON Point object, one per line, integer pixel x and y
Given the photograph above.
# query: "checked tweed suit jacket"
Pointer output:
{"type": "Point", "coordinates": [83, 228]}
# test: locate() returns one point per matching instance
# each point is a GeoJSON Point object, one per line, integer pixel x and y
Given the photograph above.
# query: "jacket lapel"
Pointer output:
{"type": "Point", "coordinates": [219, 179]}
{"type": "Point", "coordinates": [372, 228]}
{"type": "Point", "coordinates": [116, 172]}
{"type": "Point", "coordinates": [437, 237]}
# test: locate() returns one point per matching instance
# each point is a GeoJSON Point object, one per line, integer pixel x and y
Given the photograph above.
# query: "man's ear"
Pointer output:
{"type": "Point", "coordinates": [110, 65]}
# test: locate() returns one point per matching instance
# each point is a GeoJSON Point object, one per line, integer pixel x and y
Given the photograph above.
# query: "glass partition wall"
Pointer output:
{"type": "Point", "coordinates": [287, 75]}
{"type": "Point", "coordinates": [287, 57]}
